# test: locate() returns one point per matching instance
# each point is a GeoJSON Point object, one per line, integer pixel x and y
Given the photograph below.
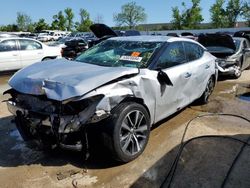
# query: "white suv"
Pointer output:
{"type": "Point", "coordinates": [16, 53]}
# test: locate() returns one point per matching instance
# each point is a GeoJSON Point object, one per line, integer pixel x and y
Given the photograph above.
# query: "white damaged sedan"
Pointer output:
{"type": "Point", "coordinates": [124, 85]}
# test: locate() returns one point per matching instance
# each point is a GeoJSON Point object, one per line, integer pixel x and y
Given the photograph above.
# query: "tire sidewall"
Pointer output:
{"type": "Point", "coordinates": [118, 119]}
{"type": "Point", "coordinates": [203, 99]}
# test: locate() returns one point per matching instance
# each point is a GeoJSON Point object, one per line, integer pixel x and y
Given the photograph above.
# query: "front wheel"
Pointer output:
{"type": "Point", "coordinates": [129, 130]}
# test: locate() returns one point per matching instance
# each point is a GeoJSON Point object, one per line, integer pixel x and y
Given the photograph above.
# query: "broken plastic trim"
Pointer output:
{"type": "Point", "coordinates": [163, 78]}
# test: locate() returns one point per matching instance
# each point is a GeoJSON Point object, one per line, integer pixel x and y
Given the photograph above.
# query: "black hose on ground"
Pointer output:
{"type": "Point", "coordinates": [174, 165]}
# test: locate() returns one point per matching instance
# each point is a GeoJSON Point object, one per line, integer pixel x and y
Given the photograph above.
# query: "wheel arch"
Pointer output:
{"type": "Point", "coordinates": [137, 100]}
{"type": "Point", "coordinates": [213, 76]}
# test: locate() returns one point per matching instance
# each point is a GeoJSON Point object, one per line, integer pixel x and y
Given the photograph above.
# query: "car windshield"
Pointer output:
{"type": "Point", "coordinates": [237, 44]}
{"type": "Point", "coordinates": [114, 53]}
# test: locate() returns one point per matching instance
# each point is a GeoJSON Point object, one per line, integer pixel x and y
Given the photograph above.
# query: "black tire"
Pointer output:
{"type": "Point", "coordinates": [127, 139]}
{"type": "Point", "coordinates": [208, 91]}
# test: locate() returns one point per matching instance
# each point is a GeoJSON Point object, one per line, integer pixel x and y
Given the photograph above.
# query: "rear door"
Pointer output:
{"type": "Point", "coordinates": [31, 51]}
{"type": "Point", "coordinates": [200, 69]}
{"type": "Point", "coordinates": [172, 98]}
{"type": "Point", "coordinates": [9, 55]}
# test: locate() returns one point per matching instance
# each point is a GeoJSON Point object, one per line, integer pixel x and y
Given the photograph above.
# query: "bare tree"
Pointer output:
{"type": "Point", "coordinates": [131, 15]}
{"type": "Point", "coordinates": [99, 18]}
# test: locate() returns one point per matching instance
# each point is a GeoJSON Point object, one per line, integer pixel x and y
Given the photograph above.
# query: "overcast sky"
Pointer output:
{"type": "Point", "coordinates": [158, 11]}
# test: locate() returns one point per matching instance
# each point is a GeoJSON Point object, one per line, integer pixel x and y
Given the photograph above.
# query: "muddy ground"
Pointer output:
{"type": "Point", "coordinates": [203, 162]}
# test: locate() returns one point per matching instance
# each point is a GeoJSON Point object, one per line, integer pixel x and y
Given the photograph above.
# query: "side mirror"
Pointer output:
{"type": "Point", "coordinates": [163, 78]}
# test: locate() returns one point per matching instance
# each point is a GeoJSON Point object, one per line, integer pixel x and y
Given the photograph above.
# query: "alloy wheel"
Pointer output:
{"type": "Point", "coordinates": [209, 89]}
{"type": "Point", "coordinates": [133, 132]}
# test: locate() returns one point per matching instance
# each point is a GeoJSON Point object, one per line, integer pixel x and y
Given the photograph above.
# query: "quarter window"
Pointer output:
{"type": "Point", "coordinates": [244, 44]}
{"type": "Point", "coordinates": [29, 45]}
{"type": "Point", "coordinates": [173, 55]}
{"type": "Point", "coordinates": [8, 45]}
{"type": "Point", "coordinates": [193, 51]}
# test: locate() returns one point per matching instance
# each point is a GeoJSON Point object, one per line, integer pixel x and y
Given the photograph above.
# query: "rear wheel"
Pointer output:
{"type": "Point", "coordinates": [129, 130]}
{"type": "Point", "coordinates": [208, 91]}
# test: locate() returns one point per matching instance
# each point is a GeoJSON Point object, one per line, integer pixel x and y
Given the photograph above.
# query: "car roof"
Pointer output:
{"type": "Point", "coordinates": [18, 38]}
{"type": "Point", "coordinates": [150, 38]}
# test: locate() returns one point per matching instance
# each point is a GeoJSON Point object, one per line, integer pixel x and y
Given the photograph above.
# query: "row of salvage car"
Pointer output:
{"type": "Point", "coordinates": [122, 86]}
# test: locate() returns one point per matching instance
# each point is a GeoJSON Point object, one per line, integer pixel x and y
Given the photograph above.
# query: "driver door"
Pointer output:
{"type": "Point", "coordinates": [170, 99]}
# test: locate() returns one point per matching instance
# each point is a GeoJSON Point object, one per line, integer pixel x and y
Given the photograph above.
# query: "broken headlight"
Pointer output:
{"type": "Point", "coordinates": [221, 62]}
{"type": "Point", "coordinates": [75, 107]}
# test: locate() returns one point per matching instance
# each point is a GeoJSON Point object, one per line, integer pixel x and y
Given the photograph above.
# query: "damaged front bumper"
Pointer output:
{"type": "Point", "coordinates": [55, 124]}
{"type": "Point", "coordinates": [228, 71]}
{"type": "Point", "coordinates": [227, 68]}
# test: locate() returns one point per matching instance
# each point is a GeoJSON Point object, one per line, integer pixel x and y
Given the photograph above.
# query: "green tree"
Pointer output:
{"type": "Point", "coordinates": [234, 9]}
{"type": "Point", "coordinates": [192, 16]}
{"type": "Point", "coordinates": [9, 28]}
{"type": "Point", "coordinates": [24, 22]}
{"type": "Point", "coordinates": [85, 21]}
{"type": "Point", "coordinates": [131, 15]}
{"type": "Point", "coordinates": [246, 13]}
{"type": "Point", "coordinates": [228, 16]}
{"type": "Point", "coordinates": [218, 14]}
{"type": "Point", "coordinates": [59, 22]}
{"type": "Point", "coordinates": [41, 25]}
{"type": "Point", "coordinates": [189, 18]}
{"type": "Point", "coordinates": [69, 18]}
{"type": "Point", "coordinates": [177, 18]}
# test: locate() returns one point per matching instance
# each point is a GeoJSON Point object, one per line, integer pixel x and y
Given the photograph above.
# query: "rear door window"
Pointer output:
{"type": "Point", "coordinates": [8, 45]}
{"type": "Point", "coordinates": [193, 51]}
{"type": "Point", "coordinates": [29, 45]}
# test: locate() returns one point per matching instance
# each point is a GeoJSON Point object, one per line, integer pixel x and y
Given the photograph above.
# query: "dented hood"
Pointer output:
{"type": "Point", "coordinates": [62, 79]}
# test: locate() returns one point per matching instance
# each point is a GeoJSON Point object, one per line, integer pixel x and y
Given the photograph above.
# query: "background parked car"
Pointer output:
{"type": "Point", "coordinates": [127, 32]}
{"type": "Point", "coordinates": [16, 53]}
{"type": "Point", "coordinates": [44, 37]}
{"type": "Point", "coordinates": [244, 34]}
{"type": "Point", "coordinates": [102, 32]}
{"type": "Point", "coordinates": [7, 35]}
{"type": "Point", "coordinates": [74, 47]}
{"type": "Point", "coordinates": [233, 54]}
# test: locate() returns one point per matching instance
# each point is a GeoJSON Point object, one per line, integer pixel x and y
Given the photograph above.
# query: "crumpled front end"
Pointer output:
{"type": "Point", "coordinates": [63, 123]}
{"type": "Point", "coordinates": [54, 122]}
{"type": "Point", "coordinates": [228, 66]}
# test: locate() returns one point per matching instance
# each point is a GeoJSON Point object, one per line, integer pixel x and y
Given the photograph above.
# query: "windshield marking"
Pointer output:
{"type": "Point", "coordinates": [131, 58]}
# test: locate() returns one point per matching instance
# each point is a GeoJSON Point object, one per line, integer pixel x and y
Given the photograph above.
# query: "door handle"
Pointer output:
{"type": "Point", "coordinates": [15, 54]}
{"type": "Point", "coordinates": [187, 75]}
{"type": "Point", "coordinates": [207, 66]}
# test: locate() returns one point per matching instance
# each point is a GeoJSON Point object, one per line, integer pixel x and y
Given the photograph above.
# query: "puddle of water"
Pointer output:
{"type": "Point", "coordinates": [245, 97]}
